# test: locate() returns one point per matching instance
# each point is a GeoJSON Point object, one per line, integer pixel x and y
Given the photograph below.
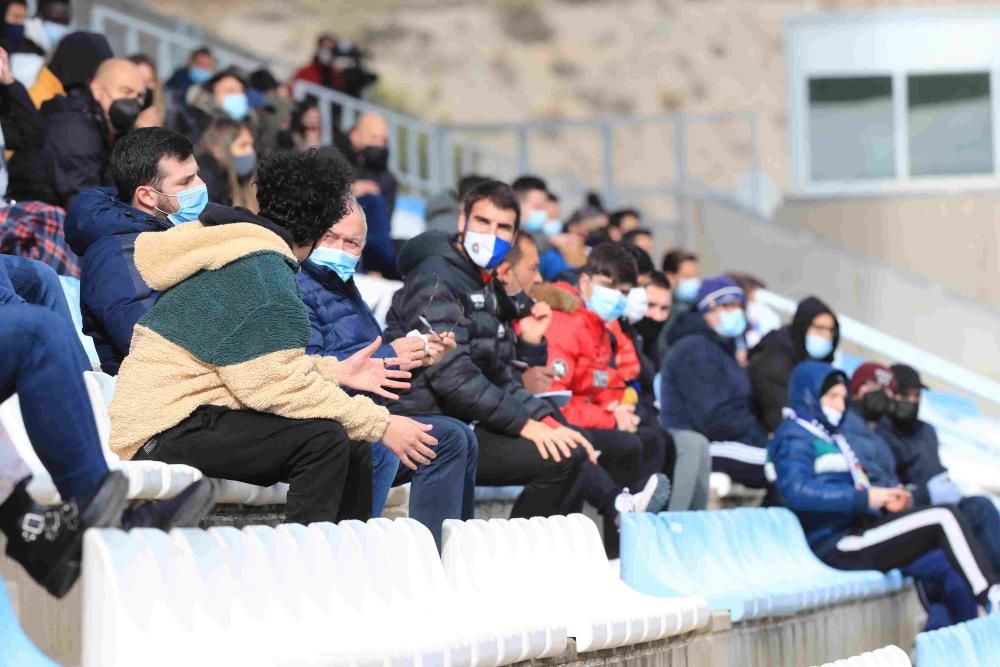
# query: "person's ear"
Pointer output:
{"type": "Point", "coordinates": [146, 197]}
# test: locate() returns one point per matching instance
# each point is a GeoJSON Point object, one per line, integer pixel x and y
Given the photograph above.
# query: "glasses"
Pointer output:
{"type": "Point", "coordinates": [427, 309]}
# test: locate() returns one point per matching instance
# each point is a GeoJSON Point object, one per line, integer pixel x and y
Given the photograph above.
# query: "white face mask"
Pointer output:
{"type": "Point", "coordinates": [833, 416]}
{"type": "Point", "coordinates": [636, 304]}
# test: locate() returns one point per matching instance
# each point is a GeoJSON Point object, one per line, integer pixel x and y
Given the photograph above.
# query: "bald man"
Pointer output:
{"type": "Point", "coordinates": [80, 128]}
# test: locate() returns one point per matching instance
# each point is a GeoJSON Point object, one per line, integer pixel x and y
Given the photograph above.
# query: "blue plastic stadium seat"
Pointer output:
{"type": "Point", "coordinates": [754, 562]}
{"type": "Point", "coordinates": [975, 642]}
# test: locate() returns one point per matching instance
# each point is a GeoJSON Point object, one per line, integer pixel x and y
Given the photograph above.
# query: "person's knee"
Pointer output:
{"type": "Point", "coordinates": [28, 327]}
{"type": "Point", "coordinates": [978, 509]}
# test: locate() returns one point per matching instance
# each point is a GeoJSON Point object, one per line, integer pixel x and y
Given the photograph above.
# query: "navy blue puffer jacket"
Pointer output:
{"type": "Point", "coordinates": [102, 230]}
{"type": "Point", "coordinates": [813, 475]}
{"type": "Point", "coordinates": [342, 323]}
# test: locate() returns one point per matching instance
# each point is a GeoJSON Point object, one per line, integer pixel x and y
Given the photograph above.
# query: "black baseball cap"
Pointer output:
{"type": "Point", "coordinates": [907, 378]}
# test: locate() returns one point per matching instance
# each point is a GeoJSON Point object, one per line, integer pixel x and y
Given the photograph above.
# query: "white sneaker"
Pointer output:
{"type": "Point", "coordinates": [652, 498]}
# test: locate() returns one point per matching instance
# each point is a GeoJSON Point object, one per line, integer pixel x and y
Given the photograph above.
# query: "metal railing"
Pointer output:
{"type": "Point", "coordinates": [890, 347]}
{"type": "Point", "coordinates": [130, 34]}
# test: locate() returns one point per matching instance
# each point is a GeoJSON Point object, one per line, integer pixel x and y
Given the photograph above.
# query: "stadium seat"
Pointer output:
{"type": "Point", "coordinates": [546, 559]}
{"type": "Point", "coordinates": [975, 642]}
{"type": "Point", "coordinates": [890, 656]}
{"type": "Point", "coordinates": [753, 562]}
{"type": "Point", "coordinates": [15, 647]}
{"type": "Point", "coordinates": [148, 480]}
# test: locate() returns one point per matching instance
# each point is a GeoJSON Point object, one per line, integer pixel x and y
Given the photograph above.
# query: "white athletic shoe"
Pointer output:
{"type": "Point", "coordinates": [652, 498]}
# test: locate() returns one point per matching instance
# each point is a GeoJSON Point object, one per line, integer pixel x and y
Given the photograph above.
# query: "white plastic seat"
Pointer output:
{"type": "Point", "coordinates": [889, 656]}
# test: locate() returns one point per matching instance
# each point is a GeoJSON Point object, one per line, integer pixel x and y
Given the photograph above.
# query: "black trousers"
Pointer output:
{"type": "Point", "coordinates": [892, 541]}
{"type": "Point", "coordinates": [329, 475]}
{"type": "Point", "coordinates": [511, 461]}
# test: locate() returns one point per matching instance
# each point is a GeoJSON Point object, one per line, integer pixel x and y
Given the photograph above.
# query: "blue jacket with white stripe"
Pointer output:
{"type": "Point", "coordinates": [813, 475]}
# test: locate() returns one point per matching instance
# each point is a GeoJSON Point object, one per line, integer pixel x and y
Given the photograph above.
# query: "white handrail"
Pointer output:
{"type": "Point", "coordinates": [894, 348]}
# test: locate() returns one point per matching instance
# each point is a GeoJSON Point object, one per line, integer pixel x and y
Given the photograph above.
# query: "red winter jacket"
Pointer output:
{"type": "Point", "coordinates": [580, 354]}
{"type": "Point", "coordinates": [324, 75]}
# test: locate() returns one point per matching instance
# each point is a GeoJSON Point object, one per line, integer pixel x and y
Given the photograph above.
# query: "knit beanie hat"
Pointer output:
{"type": "Point", "coordinates": [718, 291]}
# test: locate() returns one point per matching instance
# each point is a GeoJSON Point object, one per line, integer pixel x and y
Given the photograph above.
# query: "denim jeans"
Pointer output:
{"type": "Point", "coordinates": [39, 363]}
{"type": "Point", "coordinates": [24, 280]}
{"type": "Point", "coordinates": [445, 488]}
{"type": "Point", "coordinates": [949, 600]}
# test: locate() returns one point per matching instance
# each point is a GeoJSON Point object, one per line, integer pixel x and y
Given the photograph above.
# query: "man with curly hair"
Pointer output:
{"type": "Point", "coordinates": [217, 375]}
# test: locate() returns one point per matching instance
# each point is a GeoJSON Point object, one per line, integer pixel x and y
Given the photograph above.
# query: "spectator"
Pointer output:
{"type": "Point", "coordinates": [568, 250]}
{"type": "Point", "coordinates": [625, 220]}
{"type": "Point", "coordinates": [814, 333]}
{"type": "Point", "coordinates": [761, 318]}
{"type": "Point", "coordinates": [227, 163]}
{"type": "Point", "coordinates": [19, 120]}
{"type": "Point", "coordinates": [641, 238]}
{"type": "Point", "coordinates": [14, 40]}
{"type": "Point", "coordinates": [198, 70]}
{"type": "Point", "coordinates": [341, 325]}
{"type": "Point", "coordinates": [38, 348]}
{"type": "Point", "coordinates": [224, 96]}
{"type": "Point", "coordinates": [659, 302]}
{"type": "Point", "coordinates": [73, 64]}
{"type": "Point", "coordinates": [307, 125]}
{"type": "Point", "coordinates": [159, 189]}
{"type": "Point", "coordinates": [79, 132]}
{"type": "Point", "coordinates": [154, 108]}
{"type": "Point", "coordinates": [275, 114]}
{"type": "Point", "coordinates": [218, 377]}
{"type": "Point", "coordinates": [684, 273]}
{"type": "Point", "coordinates": [322, 70]}
{"type": "Point", "coordinates": [704, 388]}
{"type": "Point", "coordinates": [533, 195]}
{"type": "Point", "coordinates": [367, 148]}
{"type": "Point", "coordinates": [446, 284]}
{"type": "Point", "coordinates": [849, 522]}
{"type": "Point", "coordinates": [444, 208]}
{"type": "Point", "coordinates": [587, 353]}
{"type": "Point", "coordinates": [50, 25]}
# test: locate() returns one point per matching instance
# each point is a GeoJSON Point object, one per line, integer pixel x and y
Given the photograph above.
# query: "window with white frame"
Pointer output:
{"type": "Point", "coordinates": [851, 128]}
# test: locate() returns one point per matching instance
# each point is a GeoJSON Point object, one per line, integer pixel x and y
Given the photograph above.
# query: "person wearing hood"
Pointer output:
{"type": "Point", "coordinates": [448, 286]}
{"type": "Point", "coordinates": [222, 96]}
{"type": "Point", "coordinates": [218, 376]}
{"type": "Point", "coordinates": [198, 70]}
{"type": "Point", "coordinates": [703, 387]}
{"type": "Point", "coordinates": [914, 446]}
{"type": "Point", "coordinates": [849, 522]}
{"type": "Point", "coordinates": [814, 333]}
{"type": "Point", "coordinates": [342, 324]}
{"type": "Point", "coordinates": [80, 130]}
{"type": "Point", "coordinates": [156, 187]}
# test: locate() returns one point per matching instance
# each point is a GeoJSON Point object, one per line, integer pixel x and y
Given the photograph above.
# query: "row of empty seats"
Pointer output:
{"type": "Point", "coordinates": [890, 656]}
{"type": "Point", "coordinates": [356, 593]}
{"type": "Point", "coordinates": [148, 480]}
{"type": "Point", "coordinates": [975, 643]}
{"type": "Point", "coordinates": [753, 562]}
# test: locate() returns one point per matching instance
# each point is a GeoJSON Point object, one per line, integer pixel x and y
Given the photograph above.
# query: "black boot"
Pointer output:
{"type": "Point", "coordinates": [184, 510]}
{"type": "Point", "coordinates": [47, 541]}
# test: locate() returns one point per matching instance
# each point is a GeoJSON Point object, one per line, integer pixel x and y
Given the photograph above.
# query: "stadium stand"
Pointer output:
{"type": "Point", "coordinates": [975, 642]}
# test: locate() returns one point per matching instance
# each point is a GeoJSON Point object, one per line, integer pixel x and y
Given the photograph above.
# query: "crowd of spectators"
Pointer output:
{"type": "Point", "coordinates": [219, 246]}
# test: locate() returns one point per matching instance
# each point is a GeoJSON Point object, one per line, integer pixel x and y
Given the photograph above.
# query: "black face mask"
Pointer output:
{"type": "Point", "coordinates": [374, 158]}
{"type": "Point", "coordinates": [874, 405]}
{"type": "Point", "coordinates": [904, 414]}
{"type": "Point", "coordinates": [123, 114]}
{"type": "Point", "coordinates": [649, 329]}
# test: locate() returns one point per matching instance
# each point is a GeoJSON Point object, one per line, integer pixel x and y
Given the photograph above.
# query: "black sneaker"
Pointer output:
{"type": "Point", "coordinates": [47, 541]}
{"type": "Point", "coordinates": [184, 510]}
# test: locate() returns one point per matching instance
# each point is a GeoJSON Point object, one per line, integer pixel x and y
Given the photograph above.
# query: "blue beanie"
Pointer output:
{"type": "Point", "coordinates": [718, 291]}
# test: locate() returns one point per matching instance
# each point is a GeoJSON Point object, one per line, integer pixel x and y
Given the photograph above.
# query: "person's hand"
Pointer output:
{"type": "Point", "coordinates": [411, 349]}
{"type": "Point", "coordinates": [6, 75]}
{"type": "Point", "coordinates": [538, 379]}
{"type": "Point", "coordinates": [534, 325]}
{"type": "Point", "coordinates": [881, 497]}
{"type": "Point", "coordinates": [359, 371]}
{"type": "Point", "coordinates": [556, 442]}
{"type": "Point", "coordinates": [437, 347]}
{"type": "Point", "coordinates": [576, 439]}
{"type": "Point", "coordinates": [625, 417]}
{"type": "Point", "coordinates": [410, 440]}
{"type": "Point", "coordinates": [901, 502]}
{"type": "Point", "coordinates": [365, 187]}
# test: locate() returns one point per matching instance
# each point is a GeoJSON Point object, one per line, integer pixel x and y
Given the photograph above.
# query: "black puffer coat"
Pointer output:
{"type": "Point", "coordinates": [474, 382]}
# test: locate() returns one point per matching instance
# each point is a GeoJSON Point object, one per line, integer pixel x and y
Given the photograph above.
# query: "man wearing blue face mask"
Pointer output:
{"type": "Point", "coordinates": [342, 324]}
{"type": "Point", "coordinates": [684, 273]}
{"type": "Point", "coordinates": [703, 388]}
{"type": "Point", "coordinates": [157, 187]}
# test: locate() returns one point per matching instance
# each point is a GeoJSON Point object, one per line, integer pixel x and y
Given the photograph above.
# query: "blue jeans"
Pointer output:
{"type": "Point", "coordinates": [984, 520]}
{"type": "Point", "coordinates": [24, 280]}
{"type": "Point", "coordinates": [949, 599]}
{"type": "Point", "coordinates": [384, 466]}
{"type": "Point", "coordinates": [445, 488]}
{"type": "Point", "coordinates": [38, 362]}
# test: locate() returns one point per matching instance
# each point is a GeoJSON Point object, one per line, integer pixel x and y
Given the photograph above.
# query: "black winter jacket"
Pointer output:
{"type": "Point", "coordinates": [776, 356]}
{"type": "Point", "coordinates": [475, 381]}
